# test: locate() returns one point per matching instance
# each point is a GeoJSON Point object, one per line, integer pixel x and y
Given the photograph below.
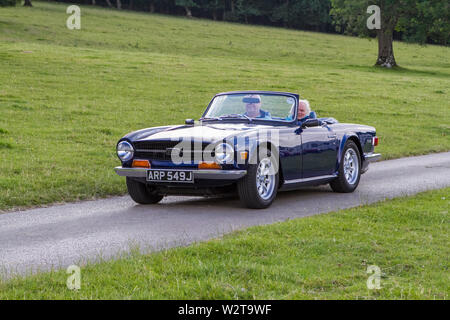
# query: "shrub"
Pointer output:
{"type": "Point", "coordinates": [5, 3]}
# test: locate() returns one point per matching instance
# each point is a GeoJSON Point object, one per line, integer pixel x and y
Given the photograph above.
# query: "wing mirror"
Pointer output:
{"type": "Point", "coordinates": [189, 122]}
{"type": "Point", "coordinates": [310, 123]}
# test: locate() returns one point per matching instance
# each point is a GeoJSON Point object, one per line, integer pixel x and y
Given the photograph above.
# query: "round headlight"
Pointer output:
{"type": "Point", "coordinates": [224, 153]}
{"type": "Point", "coordinates": [125, 150]}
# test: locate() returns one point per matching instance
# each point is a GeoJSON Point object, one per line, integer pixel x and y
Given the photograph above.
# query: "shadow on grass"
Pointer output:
{"type": "Point", "coordinates": [397, 70]}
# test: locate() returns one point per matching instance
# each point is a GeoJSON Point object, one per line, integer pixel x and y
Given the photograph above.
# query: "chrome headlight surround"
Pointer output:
{"type": "Point", "coordinates": [224, 153]}
{"type": "Point", "coordinates": [125, 151]}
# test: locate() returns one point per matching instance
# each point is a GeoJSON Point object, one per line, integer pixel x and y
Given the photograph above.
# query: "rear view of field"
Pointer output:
{"type": "Point", "coordinates": [67, 96]}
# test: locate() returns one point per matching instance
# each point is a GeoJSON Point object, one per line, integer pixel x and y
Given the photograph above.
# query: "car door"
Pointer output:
{"type": "Point", "coordinates": [319, 151]}
{"type": "Point", "coordinates": [290, 148]}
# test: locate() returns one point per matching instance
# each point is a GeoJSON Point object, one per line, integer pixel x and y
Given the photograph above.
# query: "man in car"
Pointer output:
{"type": "Point", "coordinates": [253, 107]}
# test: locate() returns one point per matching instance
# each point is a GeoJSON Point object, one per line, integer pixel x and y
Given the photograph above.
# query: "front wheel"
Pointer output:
{"type": "Point", "coordinates": [259, 187]}
{"type": "Point", "coordinates": [349, 170]}
{"type": "Point", "coordinates": [142, 193]}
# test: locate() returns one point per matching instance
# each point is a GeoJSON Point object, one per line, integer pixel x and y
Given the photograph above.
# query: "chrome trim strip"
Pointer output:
{"type": "Point", "coordinates": [152, 150]}
{"type": "Point", "coordinates": [198, 174]}
{"type": "Point", "coordinates": [131, 172]}
{"type": "Point", "coordinates": [165, 150]}
{"type": "Point", "coordinates": [331, 176]}
{"type": "Point", "coordinates": [219, 174]}
{"type": "Point", "coordinates": [371, 157]}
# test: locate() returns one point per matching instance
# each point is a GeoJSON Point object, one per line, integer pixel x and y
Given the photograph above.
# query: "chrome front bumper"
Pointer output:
{"type": "Point", "coordinates": [198, 174]}
{"type": "Point", "coordinates": [372, 157]}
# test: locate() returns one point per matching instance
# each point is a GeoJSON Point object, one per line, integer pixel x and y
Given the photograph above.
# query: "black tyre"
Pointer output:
{"type": "Point", "coordinates": [349, 170]}
{"type": "Point", "coordinates": [142, 193]}
{"type": "Point", "coordinates": [259, 187]}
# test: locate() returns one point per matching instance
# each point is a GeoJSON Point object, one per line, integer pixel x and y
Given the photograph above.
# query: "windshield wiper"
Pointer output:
{"type": "Point", "coordinates": [210, 118]}
{"type": "Point", "coordinates": [236, 115]}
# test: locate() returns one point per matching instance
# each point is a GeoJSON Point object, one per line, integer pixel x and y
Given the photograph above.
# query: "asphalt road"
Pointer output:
{"type": "Point", "coordinates": [58, 236]}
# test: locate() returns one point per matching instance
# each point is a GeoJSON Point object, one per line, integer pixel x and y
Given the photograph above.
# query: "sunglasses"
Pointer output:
{"type": "Point", "coordinates": [251, 100]}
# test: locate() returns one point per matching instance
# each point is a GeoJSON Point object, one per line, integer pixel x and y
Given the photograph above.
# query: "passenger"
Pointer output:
{"type": "Point", "coordinates": [304, 110]}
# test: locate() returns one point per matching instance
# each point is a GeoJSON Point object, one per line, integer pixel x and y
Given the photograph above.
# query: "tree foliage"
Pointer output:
{"type": "Point", "coordinates": [413, 20]}
{"type": "Point", "coordinates": [417, 20]}
{"type": "Point", "coordinates": [7, 3]}
{"type": "Point", "coordinates": [428, 22]}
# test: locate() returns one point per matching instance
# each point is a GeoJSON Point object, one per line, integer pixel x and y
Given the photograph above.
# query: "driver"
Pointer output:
{"type": "Point", "coordinates": [253, 107]}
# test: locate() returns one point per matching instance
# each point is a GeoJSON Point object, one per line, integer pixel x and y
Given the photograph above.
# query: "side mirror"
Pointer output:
{"type": "Point", "coordinates": [189, 122]}
{"type": "Point", "coordinates": [310, 123]}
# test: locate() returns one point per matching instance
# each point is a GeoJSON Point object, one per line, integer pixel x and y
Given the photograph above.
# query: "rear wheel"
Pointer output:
{"type": "Point", "coordinates": [142, 193]}
{"type": "Point", "coordinates": [259, 187]}
{"type": "Point", "coordinates": [349, 170]}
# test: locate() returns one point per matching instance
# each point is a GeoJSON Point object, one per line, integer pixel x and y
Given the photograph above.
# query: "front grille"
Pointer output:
{"type": "Point", "coordinates": [162, 150]}
{"type": "Point", "coordinates": [151, 155]}
{"type": "Point", "coordinates": [154, 145]}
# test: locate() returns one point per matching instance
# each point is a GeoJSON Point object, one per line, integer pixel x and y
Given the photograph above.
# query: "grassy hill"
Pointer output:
{"type": "Point", "coordinates": [67, 96]}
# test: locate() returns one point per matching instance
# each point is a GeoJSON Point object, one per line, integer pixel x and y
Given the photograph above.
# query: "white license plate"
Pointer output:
{"type": "Point", "coordinates": [170, 176]}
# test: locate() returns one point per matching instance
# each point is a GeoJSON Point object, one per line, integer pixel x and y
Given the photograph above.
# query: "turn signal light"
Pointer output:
{"type": "Point", "coordinates": [375, 141]}
{"type": "Point", "coordinates": [209, 165]}
{"type": "Point", "coordinates": [141, 164]}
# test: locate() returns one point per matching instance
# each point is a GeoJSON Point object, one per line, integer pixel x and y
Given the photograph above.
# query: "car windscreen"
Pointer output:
{"type": "Point", "coordinates": [255, 106]}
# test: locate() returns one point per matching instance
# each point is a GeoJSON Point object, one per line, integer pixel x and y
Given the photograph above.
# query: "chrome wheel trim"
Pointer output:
{"type": "Point", "coordinates": [351, 166]}
{"type": "Point", "coordinates": [265, 179]}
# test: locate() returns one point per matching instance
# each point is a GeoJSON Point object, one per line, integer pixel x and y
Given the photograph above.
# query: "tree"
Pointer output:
{"type": "Point", "coordinates": [154, 4]}
{"type": "Point", "coordinates": [302, 14]}
{"type": "Point", "coordinates": [27, 3]}
{"type": "Point", "coordinates": [250, 8]}
{"type": "Point", "coordinates": [187, 5]}
{"type": "Point", "coordinates": [213, 6]}
{"type": "Point", "coordinates": [351, 16]}
{"type": "Point", "coordinates": [431, 23]}
{"type": "Point", "coordinates": [7, 3]}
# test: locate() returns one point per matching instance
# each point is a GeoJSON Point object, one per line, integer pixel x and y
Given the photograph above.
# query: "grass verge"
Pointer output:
{"type": "Point", "coordinates": [319, 257]}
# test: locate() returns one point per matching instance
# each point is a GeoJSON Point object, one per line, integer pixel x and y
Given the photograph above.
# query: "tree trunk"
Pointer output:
{"type": "Point", "coordinates": [93, 2]}
{"type": "Point", "coordinates": [109, 3]}
{"type": "Point", "coordinates": [286, 17]}
{"type": "Point", "coordinates": [119, 4]}
{"type": "Point", "coordinates": [27, 3]}
{"type": "Point", "coordinates": [385, 49]}
{"type": "Point", "coordinates": [214, 14]}
{"type": "Point", "coordinates": [131, 5]}
{"type": "Point", "coordinates": [232, 6]}
{"type": "Point", "coordinates": [188, 12]}
{"type": "Point", "coordinates": [152, 7]}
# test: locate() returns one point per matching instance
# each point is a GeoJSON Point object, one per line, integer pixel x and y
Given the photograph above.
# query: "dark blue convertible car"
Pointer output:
{"type": "Point", "coordinates": [251, 142]}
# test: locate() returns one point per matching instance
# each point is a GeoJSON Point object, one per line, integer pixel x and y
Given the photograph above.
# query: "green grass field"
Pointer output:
{"type": "Point", "coordinates": [319, 257]}
{"type": "Point", "coordinates": [67, 96]}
